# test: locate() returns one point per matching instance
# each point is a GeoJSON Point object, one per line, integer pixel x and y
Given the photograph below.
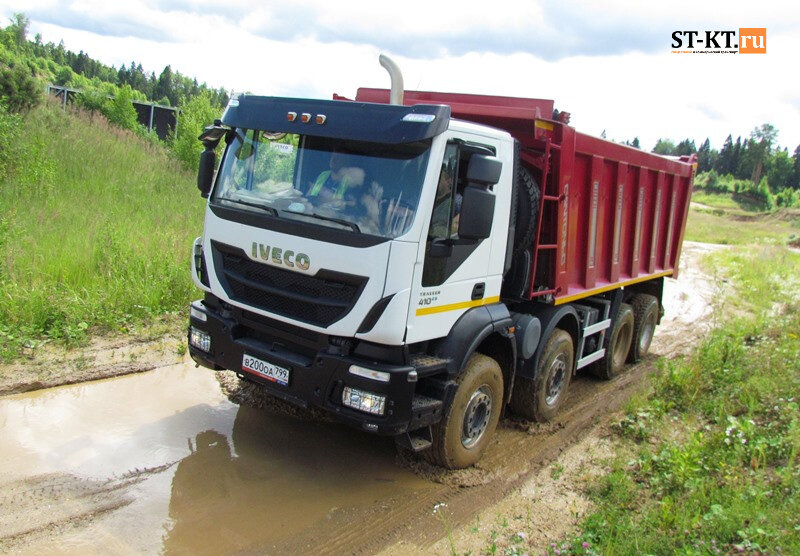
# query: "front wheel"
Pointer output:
{"type": "Point", "coordinates": [460, 438]}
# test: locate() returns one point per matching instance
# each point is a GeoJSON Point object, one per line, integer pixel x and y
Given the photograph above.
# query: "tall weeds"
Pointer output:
{"type": "Point", "coordinates": [95, 230]}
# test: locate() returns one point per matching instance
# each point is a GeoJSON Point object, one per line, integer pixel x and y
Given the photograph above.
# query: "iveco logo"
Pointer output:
{"type": "Point", "coordinates": [276, 255]}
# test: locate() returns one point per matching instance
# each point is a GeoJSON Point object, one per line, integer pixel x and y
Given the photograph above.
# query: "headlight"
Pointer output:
{"type": "Point", "coordinates": [361, 400]}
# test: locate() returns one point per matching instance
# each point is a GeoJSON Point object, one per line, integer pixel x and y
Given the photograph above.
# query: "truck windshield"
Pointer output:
{"type": "Point", "coordinates": [368, 188]}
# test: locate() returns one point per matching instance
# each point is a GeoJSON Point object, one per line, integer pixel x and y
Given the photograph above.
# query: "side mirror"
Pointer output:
{"type": "Point", "coordinates": [483, 170]}
{"type": "Point", "coordinates": [205, 174]}
{"type": "Point", "coordinates": [477, 207]}
{"type": "Point", "coordinates": [477, 213]}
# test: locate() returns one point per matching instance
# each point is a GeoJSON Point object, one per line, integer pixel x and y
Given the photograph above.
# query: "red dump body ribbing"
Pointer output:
{"type": "Point", "coordinates": [611, 215]}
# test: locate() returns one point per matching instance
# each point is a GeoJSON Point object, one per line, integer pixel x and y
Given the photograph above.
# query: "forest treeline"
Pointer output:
{"type": "Point", "coordinates": [28, 65]}
{"type": "Point", "coordinates": [754, 166]}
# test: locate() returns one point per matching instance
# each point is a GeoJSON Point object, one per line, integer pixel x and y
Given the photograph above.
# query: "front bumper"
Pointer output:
{"type": "Point", "coordinates": [317, 375]}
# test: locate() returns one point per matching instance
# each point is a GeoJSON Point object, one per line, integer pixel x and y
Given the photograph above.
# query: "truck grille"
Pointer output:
{"type": "Point", "coordinates": [320, 300]}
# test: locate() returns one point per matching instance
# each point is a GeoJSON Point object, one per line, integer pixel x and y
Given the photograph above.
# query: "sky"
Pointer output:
{"type": "Point", "coordinates": [610, 64]}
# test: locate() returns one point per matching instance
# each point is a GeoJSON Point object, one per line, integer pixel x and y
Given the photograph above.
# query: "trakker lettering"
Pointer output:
{"type": "Point", "coordinates": [277, 255]}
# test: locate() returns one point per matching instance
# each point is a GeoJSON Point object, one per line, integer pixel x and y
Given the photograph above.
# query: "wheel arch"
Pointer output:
{"type": "Point", "coordinates": [483, 330]}
{"type": "Point", "coordinates": [653, 287]}
{"type": "Point", "coordinates": [564, 317]}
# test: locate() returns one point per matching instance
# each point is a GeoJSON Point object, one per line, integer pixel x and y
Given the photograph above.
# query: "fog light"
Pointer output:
{"type": "Point", "coordinates": [363, 401]}
{"type": "Point", "coordinates": [199, 339]}
{"type": "Point", "coordinates": [380, 376]}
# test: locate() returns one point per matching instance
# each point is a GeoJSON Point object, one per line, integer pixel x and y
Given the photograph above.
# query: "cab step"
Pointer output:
{"type": "Point", "coordinates": [425, 364]}
{"type": "Point", "coordinates": [417, 440]}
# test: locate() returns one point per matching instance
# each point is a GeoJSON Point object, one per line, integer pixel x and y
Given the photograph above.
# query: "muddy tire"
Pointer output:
{"type": "Point", "coordinates": [460, 438]}
{"type": "Point", "coordinates": [618, 345]}
{"type": "Point", "coordinates": [645, 317]}
{"type": "Point", "coordinates": [541, 398]}
{"type": "Point", "coordinates": [527, 210]}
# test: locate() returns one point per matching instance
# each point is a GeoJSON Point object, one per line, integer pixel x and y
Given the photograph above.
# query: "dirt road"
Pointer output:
{"type": "Point", "coordinates": [163, 461]}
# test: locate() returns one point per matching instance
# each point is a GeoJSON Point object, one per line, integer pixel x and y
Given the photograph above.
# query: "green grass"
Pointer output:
{"type": "Point", "coordinates": [719, 226]}
{"type": "Point", "coordinates": [95, 231]}
{"type": "Point", "coordinates": [731, 201]}
{"type": "Point", "coordinates": [710, 462]}
{"type": "Point", "coordinates": [715, 200]}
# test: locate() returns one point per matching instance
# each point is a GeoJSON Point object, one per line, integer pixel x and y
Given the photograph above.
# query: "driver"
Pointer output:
{"type": "Point", "coordinates": [336, 182]}
{"type": "Point", "coordinates": [344, 184]}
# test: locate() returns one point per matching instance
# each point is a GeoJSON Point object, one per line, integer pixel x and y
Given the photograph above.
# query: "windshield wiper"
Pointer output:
{"type": "Point", "coordinates": [352, 225]}
{"type": "Point", "coordinates": [267, 208]}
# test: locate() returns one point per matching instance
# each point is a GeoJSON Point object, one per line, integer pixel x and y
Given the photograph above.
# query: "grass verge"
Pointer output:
{"type": "Point", "coordinates": [95, 232]}
{"type": "Point", "coordinates": [709, 463]}
{"type": "Point", "coordinates": [737, 228]}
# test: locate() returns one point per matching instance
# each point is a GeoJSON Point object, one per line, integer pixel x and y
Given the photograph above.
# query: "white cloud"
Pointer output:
{"type": "Point", "coordinates": [609, 64]}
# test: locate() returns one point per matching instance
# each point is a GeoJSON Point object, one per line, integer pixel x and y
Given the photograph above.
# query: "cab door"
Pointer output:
{"type": "Point", "coordinates": [456, 274]}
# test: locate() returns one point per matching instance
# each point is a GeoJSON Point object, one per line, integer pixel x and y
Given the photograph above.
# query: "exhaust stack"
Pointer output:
{"type": "Point", "coordinates": [396, 95]}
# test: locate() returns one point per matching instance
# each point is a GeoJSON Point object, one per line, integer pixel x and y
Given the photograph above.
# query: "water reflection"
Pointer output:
{"type": "Point", "coordinates": [279, 477]}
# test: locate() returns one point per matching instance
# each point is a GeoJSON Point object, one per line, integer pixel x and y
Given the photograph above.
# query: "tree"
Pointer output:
{"type": "Point", "coordinates": [665, 147]}
{"type": "Point", "coordinates": [778, 170]}
{"type": "Point", "coordinates": [18, 89]}
{"type": "Point", "coordinates": [795, 179]}
{"type": "Point", "coordinates": [195, 115]}
{"type": "Point", "coordinates": [19, 29]}
{"type": "Point", "coordinates": [759, 147]}
{"type": "Point", "coordinates": [737, 167]}
{"type": "Point", "coordinates": [705, 157]}
{"type": "Point", "coordinates": [724, 164]}
{"type": "Point", "coordinates": [685, 148]}
{"type": "Point", "coordinates": [120, 110]}
{"type": "Point", "coordinates": [164, 86]}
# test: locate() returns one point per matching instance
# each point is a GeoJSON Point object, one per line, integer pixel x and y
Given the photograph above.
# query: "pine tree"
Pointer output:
{"type": "Point", "coordinates": [724, 164]}
{"type": "Point", "coordinates": [704, 162]}
{"type": "Point", "coordinates": [794, 181]}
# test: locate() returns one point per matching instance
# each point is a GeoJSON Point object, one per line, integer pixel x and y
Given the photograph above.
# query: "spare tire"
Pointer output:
{"type": "Point", "coordinates": [527, 213]}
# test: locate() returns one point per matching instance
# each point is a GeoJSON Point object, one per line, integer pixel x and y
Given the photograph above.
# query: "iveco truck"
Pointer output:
{"type": "Point", "coordinates": [418, 263]}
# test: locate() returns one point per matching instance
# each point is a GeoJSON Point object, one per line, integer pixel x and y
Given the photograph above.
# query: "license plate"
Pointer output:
{"type": "Point", "coordinates": [265, 370]}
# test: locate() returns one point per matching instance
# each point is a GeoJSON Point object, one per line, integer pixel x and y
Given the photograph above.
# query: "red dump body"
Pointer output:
{"type": "Point", "coordinates": [611, 215]}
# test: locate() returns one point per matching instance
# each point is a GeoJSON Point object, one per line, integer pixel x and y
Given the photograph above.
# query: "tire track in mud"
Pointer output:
{"type": "Point", "coordinates": [49, 505]}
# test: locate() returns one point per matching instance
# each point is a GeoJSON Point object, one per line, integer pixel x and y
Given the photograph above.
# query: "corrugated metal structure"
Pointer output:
{"type": "Point", "coordinates": [155, 117]}
{"type": "Point", "coordinates": [611, 215]}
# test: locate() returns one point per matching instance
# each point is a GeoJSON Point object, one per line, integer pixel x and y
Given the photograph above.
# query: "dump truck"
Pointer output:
{"type": "Point", "coordinates": [418, 263]}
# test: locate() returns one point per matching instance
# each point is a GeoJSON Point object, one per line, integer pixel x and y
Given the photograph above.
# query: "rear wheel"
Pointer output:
{"type": "Point", "coordinates": [461, 436]}
{"type": "Point", "coordinates": [541, 398]}
{"type": "Point", "coordinates": [618, 344]}
{"type": "Point", "coordinates": [645, 317]}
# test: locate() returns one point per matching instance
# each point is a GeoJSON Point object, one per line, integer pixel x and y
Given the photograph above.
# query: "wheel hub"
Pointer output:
{"type": "Point", "coordinates": [476, 416]}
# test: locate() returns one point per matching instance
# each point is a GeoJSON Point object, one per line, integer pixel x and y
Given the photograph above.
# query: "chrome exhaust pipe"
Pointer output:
{"type": "Point", "coordinates": [396, 95]}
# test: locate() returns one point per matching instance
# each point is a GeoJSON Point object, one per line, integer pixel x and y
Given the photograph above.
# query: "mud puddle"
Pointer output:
{"type": "Point", "coordinates": [162, 461]}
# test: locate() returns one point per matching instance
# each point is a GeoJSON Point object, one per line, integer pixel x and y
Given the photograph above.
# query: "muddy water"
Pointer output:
{"type": "Point", "coordinates": [161, 461]}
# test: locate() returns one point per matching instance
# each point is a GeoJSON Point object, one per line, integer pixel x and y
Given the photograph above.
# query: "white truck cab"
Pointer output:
{"type": "Point", "coordinates": [341, 248]}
